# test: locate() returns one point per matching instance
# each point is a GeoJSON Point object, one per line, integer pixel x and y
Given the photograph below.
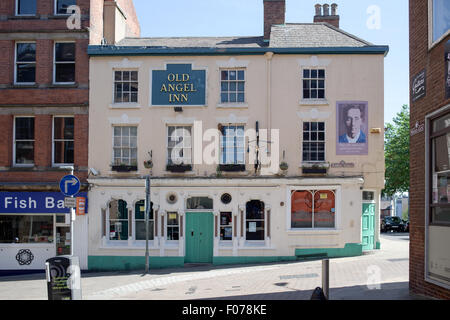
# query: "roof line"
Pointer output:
{"type": "Point", "coordinates": [143, 50]}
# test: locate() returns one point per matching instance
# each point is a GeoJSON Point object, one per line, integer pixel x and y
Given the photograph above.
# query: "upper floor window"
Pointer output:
{"type": "Point", "coordinates": [313, 83]}
{"type": "Point", "coordinates": [232, 86]}
{"type": "Point", "coordinates": [64, 69]}
{"type": "Point", "coordinates": [24, 141]}
{"type": "Point", "coordinates": [313, 141]}
{"type": "Point", "coordinates": [125, 146]}
{"type": "Point", "coordinates": [62, 5]}
{"type": "Point", "coordinates": [26, 7]}
{"type": "Point", "coordinates": [232, 145]}
{"type": "Point", "coordinates": [25, 63]}
{"type": "Point", "coordinates": [63, 140]}
{"type": "Point", "coordinates": [440, 15]}
{"type": "Point", "coordinates": [125, 86]}
{"type": "Point", "coordinates": [179, 145]}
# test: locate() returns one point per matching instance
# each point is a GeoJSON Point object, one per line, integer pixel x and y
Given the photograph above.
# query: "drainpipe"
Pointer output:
{"type": "Point", "coordinates": [269, 56]}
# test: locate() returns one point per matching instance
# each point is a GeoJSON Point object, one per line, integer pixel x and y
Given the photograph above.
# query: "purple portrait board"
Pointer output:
{"type": "Point", "coordinates": [352, 128]}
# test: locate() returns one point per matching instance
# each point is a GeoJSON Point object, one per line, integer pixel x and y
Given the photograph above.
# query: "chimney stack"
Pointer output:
{"type": "Point", "coordinates": [332, 19]}
{"type": "Point", "coordinates": [274, 13]}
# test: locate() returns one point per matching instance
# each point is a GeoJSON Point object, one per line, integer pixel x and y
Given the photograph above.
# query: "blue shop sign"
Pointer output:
{"type": "Point", "coordinates": [35, 202]}
{"type": "Point", "coordinates": [179, 85]}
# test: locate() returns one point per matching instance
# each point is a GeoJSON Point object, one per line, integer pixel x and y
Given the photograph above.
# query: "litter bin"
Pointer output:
{"type": "Point", "coordinates": [63, 278]}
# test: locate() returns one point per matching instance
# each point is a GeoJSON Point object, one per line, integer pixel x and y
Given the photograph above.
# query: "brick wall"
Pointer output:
{"type": "Point", "coordinates": [274, 13]}
{"type": "Point", "coordinates": [433, 61]}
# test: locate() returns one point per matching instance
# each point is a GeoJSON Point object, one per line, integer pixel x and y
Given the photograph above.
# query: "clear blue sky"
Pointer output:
{"type": "Point", "coordinates": [381, 22]}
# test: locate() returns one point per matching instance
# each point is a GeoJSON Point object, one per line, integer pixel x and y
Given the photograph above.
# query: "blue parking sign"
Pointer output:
{"type": "Point", "coordinates": [70, 185]}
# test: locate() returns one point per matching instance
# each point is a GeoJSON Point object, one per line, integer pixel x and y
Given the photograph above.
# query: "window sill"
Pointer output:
{"type": "Point", "coordinates": [125, 105]}
{"type": "Point", "coordinates": [24, 16]}
{"type": "Point", "coordinates": [318, 164]}
{"type": "Point", "coordinates": [236, 105]}
{"type": "Point", "coordinates": [24, 85]}
{"type": "Point", "coordinates": [314, 102]}
{"type": "Point", "coordinates": [64, 85]}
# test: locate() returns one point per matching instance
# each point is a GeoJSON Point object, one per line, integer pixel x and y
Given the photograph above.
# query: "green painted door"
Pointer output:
{"type": "Point", "coordinates": [368, 226]}
{"type": "Point", "coordinates": [199, 237]}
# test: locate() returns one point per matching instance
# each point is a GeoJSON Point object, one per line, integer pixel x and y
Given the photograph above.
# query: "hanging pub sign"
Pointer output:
{"type": "Point", "coordinates": [178, 85]}
{"type": "Point", "coordinates": [447, 70]}
{"type": "Point", "coordinates": [418, 86]}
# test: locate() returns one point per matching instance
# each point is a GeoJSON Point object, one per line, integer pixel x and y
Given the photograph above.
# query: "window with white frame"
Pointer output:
{"type": "Point", "coordinates": [440, 19]}
{"type": "Point", "coordinates": [26, 7]}
{"type": "Point", "coordinates": [254, 220]}
{"type": "Point", "coordinates": [232, 145]}
{"type": "Point", "coordinates": [226, 228]}
{"type": "Point", "coordinates": [26, 229]}
{"type": "Point", "coordinates": [139, 221]}
{"type": "Point", "coordinates": [179, 145]}
{"type": "Point", "coordinates": [313, 83]}
{"type": "Point", "coordinates": [125, 86]}
{"type": "Point", "coordinates": [25, 63]}
{"type": "Point", "coordinates": [313, 209]}
{"type": "Point", "coordinates": [118, 220]}
{"type": "Point", "coordinates": [232, 84]}
{"type": "Point", "coordinates": [63, 140]}
{"type": "Point", "coordinates": [24, 140]}
{"type": "Point", "coordinates": [313, 141]}
{"type": "Point", "coordinates": [64, 64]}
{"type": "Point", "coordinates": [61, 6]}
{"type": "Point", "coordinates": [173, 226]}
{"type": "Point", "coordinates": [125, 145]}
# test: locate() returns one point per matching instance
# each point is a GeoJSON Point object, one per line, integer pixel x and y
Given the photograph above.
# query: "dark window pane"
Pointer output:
{"type": "Point", "coordinates": [133, 97]}
{"type": "Point", "coordinates": [314, 126]}
{"type": "Point", "coordinates": [232, 97]}
{"type": "Point", "coordinates": [313, 94]}
{"type": "Point", "coordinates": [313, 84]}
{"type": "Point", "coordinates": [224, 97]}
{"type": "Point", "coordinates": [64, 151]}
{"type": "Point", "coordinates": [321, 84]}
{"type": "Point", "coordinates": [306, 84]}
{"type": "Point", "coordinates": [305, 126]}
{"type": "Point", "coordinates": [224, 75]}
{"type": "Point", "coordinates": [26, 229]}
{"type": "Point", "coordinates": [62, 5]}
{"type": "Point", "coordinates": [241, 75]}
{"type": "Point", "coordinates": [321, 136]}
{"type": "Point", "coordinates": [65, 72]}
{"type": "Point", "coordinates": [26, 52]}
{"type": "Point", "coordinates": [254, 230]}
{"type": "Point", "coordinates": [305, 136]}
{"type": "Point", "coordinates": [321, 74]}
{"type": "Point", "coordinates": [24, 152]}
{"type": "Point", "coordinates": [134, 76]}
{"type": "Point", "coordinates": [24, 128]}
{"type": "Point", "coordinates": [321, 126]}
{"type": "Point", "coordinates": [199, 203]}
{"type": "Point", "coordinates": [232, 75]}
{"type": "Point", "coordinates": [26, 6]}
{"type": "Point", "coordinates": [255, 210]}
{"type": "Point", "coordinates": [306, 74]}
{"type": "Point", "coordinates": [63, 128]}
{"type": "Point", "coordinates": [118, 75]}
{"type": "Point", "coordinates": [26, 73]}
{"type": "Point", "coordinates": [313, 74]}
{"type": "Point", "coordinates": [321, 94]}
{"type": "Point", "coordinates": [64, 52]}
{"type": "Point", "coordinates": [240, 97]}
{"type": "Point", "coordinates": [306, 94]}
{"type": "Point", "coordinates": [313, 136]}
{"type": "Point", "coordinates": [440, 215]}
{"type": "Point", "coordinates": [140, 230]}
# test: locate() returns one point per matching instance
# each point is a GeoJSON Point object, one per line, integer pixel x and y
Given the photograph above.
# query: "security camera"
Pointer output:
{"type": "Point", "coordinates": [93, 171]}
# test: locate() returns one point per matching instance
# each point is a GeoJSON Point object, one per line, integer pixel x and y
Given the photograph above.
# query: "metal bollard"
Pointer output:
{"type": "Point", "coordinates": [326, 278]}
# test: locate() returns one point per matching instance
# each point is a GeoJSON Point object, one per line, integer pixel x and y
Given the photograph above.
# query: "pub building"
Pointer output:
{"type": "Point", "coordinates": [429, 28]}
{"type": "Point", "coordinates": [259, 149]}
{"type": "Point", "coordinates": [44, 106]}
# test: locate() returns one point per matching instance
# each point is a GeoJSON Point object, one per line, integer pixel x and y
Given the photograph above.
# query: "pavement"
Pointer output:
{"type": "Point", "coordinates": [378, 275]}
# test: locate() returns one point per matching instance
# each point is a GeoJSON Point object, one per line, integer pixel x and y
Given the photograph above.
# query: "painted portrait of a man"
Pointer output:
{"type": "Point", "coordinates": [352, 125]}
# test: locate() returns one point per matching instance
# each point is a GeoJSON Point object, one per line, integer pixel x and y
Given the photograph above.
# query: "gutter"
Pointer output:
{"type": "Point", "coordinates": [96, 50]}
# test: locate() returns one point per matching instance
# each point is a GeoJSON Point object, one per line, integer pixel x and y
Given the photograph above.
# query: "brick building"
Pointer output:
{"type": "Point", "coordinates": [429, 163]}
{"type": "Point", "coordinates": [44, 106]}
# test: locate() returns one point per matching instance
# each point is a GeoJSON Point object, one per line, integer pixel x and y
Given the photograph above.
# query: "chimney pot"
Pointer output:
{"type": "Point", "coordinates": [334, 9]}
{"type": "Point", "coordinates": [318, 9]}
{"type": "Point", "coordinates": [326, 10]}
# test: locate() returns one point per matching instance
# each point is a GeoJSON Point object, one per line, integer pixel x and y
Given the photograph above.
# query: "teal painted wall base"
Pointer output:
{"type": "Point", "coordinates": [378, 245]}
{"type": "Point", "coordinates": [126, 263]}
{"type": "Point", "coordinates": [350, 250]}
{"type": "Point", "coordinates": [248, 260]}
